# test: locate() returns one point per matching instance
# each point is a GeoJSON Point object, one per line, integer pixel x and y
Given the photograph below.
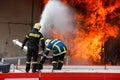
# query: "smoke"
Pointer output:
{"type": "Point", "coordinates": [56, 16]}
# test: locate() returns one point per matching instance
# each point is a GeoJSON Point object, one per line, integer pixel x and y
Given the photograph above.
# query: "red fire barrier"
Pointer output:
{"type": "Point", "coordinates": [60, 76]}
{"type": "Point", "coordinates": [80, 76]}
{"type": "Point", "coordinates": [4, 76]}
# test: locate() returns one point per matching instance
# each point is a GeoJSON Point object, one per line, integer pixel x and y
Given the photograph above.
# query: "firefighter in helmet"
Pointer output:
{"type": "Point", "coordinates": [32, 39]}
{"type": "Point", "coordinates": [59, 51]}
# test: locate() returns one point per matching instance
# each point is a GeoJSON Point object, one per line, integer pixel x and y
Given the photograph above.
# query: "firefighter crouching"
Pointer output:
{"type": "Point", "coordinates": [33, 38]}
{"type": "Point", "coordinates": [59, 51]}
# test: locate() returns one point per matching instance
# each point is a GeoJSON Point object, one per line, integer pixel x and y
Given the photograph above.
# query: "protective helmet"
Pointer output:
{"type": "Point", "coordinates": [37, 26]}
{"type": "Point", "coordinates": [47, 42]}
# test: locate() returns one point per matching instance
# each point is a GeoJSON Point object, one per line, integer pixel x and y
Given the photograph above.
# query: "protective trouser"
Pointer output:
{"type": "Point", "coordinates": [27, 67]}
{"type": "Point", "coordinates": [32, 52]}
{"type": "Point", "coordinates": [35, 63]}
{"type": "Point", "coordinates": [58, 61]}
{"type": "Point", "coordinates": [34, 66]}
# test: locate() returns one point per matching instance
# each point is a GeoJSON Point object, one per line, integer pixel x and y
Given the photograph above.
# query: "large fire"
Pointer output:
{"type": "Point", "coordinates": [92, 28]}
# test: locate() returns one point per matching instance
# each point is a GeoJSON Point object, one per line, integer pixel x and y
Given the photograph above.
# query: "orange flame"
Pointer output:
{"type": "Point", "coordinates": [91, 29]}
{"type": "Point", "coordinates": [45, 1]}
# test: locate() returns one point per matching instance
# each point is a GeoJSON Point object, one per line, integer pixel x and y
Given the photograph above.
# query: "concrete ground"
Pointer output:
{"type": "Point", "coordinates": [67, 68]}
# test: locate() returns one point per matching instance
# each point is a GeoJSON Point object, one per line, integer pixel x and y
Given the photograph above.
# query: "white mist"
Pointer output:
{"type": "Point", "coordinates": [58, 16]}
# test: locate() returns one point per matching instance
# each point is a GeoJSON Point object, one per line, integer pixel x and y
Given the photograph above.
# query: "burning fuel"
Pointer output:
{"type": "Point", "coordinates": [94, 22]}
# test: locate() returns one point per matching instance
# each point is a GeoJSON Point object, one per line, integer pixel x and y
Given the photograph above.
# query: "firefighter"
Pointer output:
{"type": "Point", "coordinates": [59, 51]}
{"type": "Point", "coordinates": [32, 39]}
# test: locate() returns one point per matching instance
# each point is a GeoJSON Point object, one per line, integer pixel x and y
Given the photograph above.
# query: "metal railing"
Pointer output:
{"type": "Point", "coordinates": [14, 58]}
{"type": "Point", "coordinates": [19, 59]}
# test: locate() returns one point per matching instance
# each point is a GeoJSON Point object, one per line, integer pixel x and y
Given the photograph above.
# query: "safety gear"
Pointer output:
{"type": "Point", "coordinates": [22, 46]}
{"type": "Point", "coordinates": [40, 66]}
{"type": "Point", "coordinates": [43, 60]}
{"type": "Point", "coordinates": [34, 67]}
{"type": "Point", "coordinates": [32, 39]}
{"type": "Point", "coordinates": [59, 67]}
{"type": "Point", "coordinates": [27, 67]}
{"type": "Point", "coordinates": [37, 26]}
{"type": "Point", "coordinates": [59, 50]}
{"type": "Point", "coordinates": [47, 42]}
{"type": "Point", "coordinates": [55, 65]}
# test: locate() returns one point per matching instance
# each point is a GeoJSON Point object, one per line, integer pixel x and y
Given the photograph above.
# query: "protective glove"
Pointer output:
{"type": "Point", "coordinates": [40, 66]}
{"type": "Point", "coordinates": [43, 60]}
{"type": "Point", "coordinates": [22, 46]}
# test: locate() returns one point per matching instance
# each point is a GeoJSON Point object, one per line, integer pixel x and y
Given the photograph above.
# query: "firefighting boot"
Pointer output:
{"type": "Point", "coordinates": [39, 66]}
{"type": "Point", "coordinates": [54, 66]}
{"type": "Point", "coordinates": [34, 66]}
{"type": "Point", "coordinates": [60, 66]}
{"type": "Point", "coordinates": [27, 67]}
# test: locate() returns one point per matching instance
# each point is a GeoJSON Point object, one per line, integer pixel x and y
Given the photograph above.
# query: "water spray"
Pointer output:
{"type": "Point", "coordinates": [56, 16]}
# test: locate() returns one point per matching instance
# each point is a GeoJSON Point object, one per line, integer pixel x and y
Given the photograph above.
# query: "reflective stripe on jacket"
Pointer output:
{"type": "Point", "coordinates": [57, 46]}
